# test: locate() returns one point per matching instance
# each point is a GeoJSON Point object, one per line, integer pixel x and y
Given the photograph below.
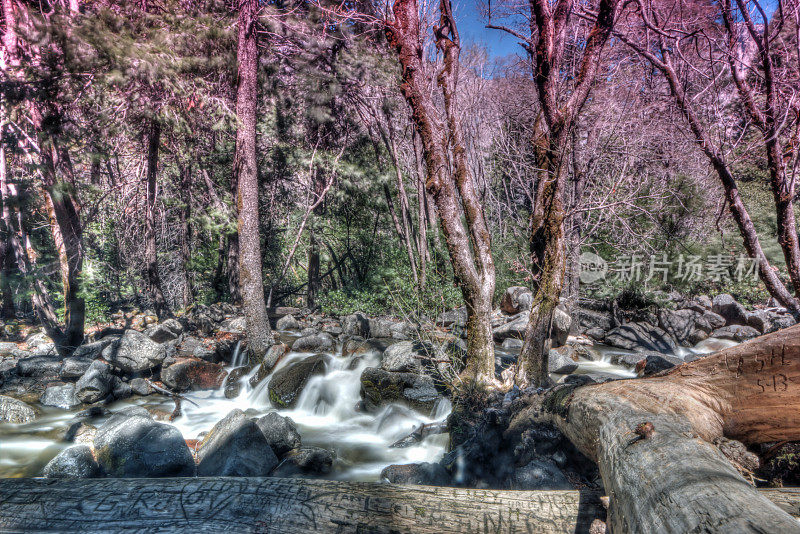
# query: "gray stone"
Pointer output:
{"type": "Point", "coordinates": [641, 336]}
{"type": "Point", "coordinates": [235, 447]}
{"type": "Point", "coordinates": [319, 342]}
{"type": "Point", "coordinates": [280, 432]}
{"type": "Point", "coordinates": [306, 461]}
{"type": "Point", "coordinates": [593, 319]}
{"type": "Point", "coordinates": [287, 322]}
{"type": "Point", "coordinates": [514, 328]}
{"type": "Point", "coordinates": [456, 317]}
{"type": "Point", "coordinates": [540, 474]}
{"type": "Point", "coordinates": [560, 362]}
{"type": "Point", "coordinates": [92, 351]}
{"type": "Point", "coordinates": [95, 384]}
{"type": "Point", "coordinates": [75, 367]}
{"type": "Point", "coordinates": [401, 358]}
{"type": "Point", "coordinates": [562, 323]}
{"type": "Point", "coordinates": [39, 366]}
{"type": "Point", "coordinates": [356, 324]}
{"type": "Point", "coordinates": [7, 348]}
{"type": "Point", "coordinates": [424, 474]}
{"type": "Point", "coordinates": [379, 387]}
{"type": "Point", "coordinates": [512, 343]}
{"type": "Point", "coordinates": [120, 389]}
{"type": "Point", "coordinates": [15, 411]}
{"type": "Point", "coordinates": [60, 396]}
{"type": "Point", "coordinates": [166, 331]}
{"type": "Point", "coordinates": [516, 299]}
{"type": "Point", "coordinates": [135, 353]}
{"type": "Point", "coordinates": [402, 330]}
{"type": "Point", "coordinates": [131, 445]}
{"type": "Point", "coordinates": [733, 312]}
{"type": "Point", "coordinates": [735, 333]}
{"type": "Point", "coordinates": [288, 382]}
{"type": "Point", "coordinates": [74, 462]}
{"type": "Point", "coordinates": [191, 374]}
{"type": "Point", "coordinates": [139, 386]}
{"type": "Point", "coordinates": [681, 324]}
{"type": "Point", "coordinates": [380, 327]}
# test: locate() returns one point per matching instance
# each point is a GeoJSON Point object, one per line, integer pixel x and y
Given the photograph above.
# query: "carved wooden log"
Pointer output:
{"type": "Point", "coordinates": [284, 506]}
{"type": "Point", "coordinates": [674, 480]}
{"type": "Point", "coordinates": [295, 506]}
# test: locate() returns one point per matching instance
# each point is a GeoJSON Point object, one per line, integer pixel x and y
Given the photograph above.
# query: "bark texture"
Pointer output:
{"type": "Point", "coordinates": [150, 247]}
{"type": "Point", "coordinates": [251, 284]}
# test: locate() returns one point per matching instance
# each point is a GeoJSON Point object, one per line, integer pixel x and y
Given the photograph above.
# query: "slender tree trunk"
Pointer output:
{"type": "Point", "coordinates": [313, 269]}
{"type": "Point", "coordinates": [152, 277]}
{"type": "Point", "coordinates": [246, 171]}
{"type": "Point", "coordinates": [8, 310]}
{"type": "Point", "coordinates": [186, 235]}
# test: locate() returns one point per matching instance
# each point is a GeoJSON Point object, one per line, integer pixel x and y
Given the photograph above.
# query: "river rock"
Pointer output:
{"type": "Point", "coordinates": [512, 329]}
{"type": "Point", "coordinates": [733, 312]}
{"type": "Point", "coordinates": [95, 384]}
{"type": "Point", "coordinates": [287, 322]}
{"type": "Point", "coordinates": [120, 389]}
{"type": "Point", "coordinates": [681, 324]}
{"type": "Point", "coordinates": [306, 461]}
{"type": "Point", "coordinates": [281, 433]}
{"type": "Point", "coordinates": [74, 367]}
{"type": "Point", "coordinates": [15, 411]}
{"type": "Point", "coordinates": [559, 361]}
{"type": "Point", "coordinates": [593, 320]}
{"type": "Point", "coordinates": [539, 474]}
{"type": "Point", "coordinates": [356, 324]}
{"type": "Point", "coordinates": [318, 342]}
{"type": "Point", "coordinates": [516, 299]}
{"type": "Point", "coordinates": [60, 396]}
{"type": "Point", "coordinates": [92, 351]}
{"type": "Point", "coordinates": [235, 447]}
{"type": "Point", "coordinates": [134, 353]}
{"type": "Point", "coordinates": [39, 366]}
{"type": "Point", "coordinates": [8, 349]}
{"type": "Point", "coordinates": [562, 322]}
{"type": "Point", "coordinates": [381, 327]}
{"type": "Point", "coordinates": [424, 474]}
{"type": "Point", "coordinates": [74, 462]}
{"type": "Point", "coordinates": [166, 331]}
{"type": "Point", "coordinates": [641, 336]}
{"type": "Point", "coordinates": [268, 363]}
{"type": "Point", "coordinates": [456, 318]}
{"type": "Point", "coordinates": [654, 363]}
{"type": "Point", "coordinates": [403, 357]}
{"type": "Point", "coordinates": [512, 343]}
{"type": "Point", "coordinates": [130, 444]}
{"type": "Point", "coordinates": [139, 386]}
{"type": "Point", "coordinates": [287, 383]}
{"type": "Point", "coordinates": [235, 325]}
{"type": "Point", "coordinates": [379, 387]}
{"type": "Point", "coordinates": [735, 333]}
{"type": "Point", "coordinates": [190, 374]}
{"type": "Point", "coordinates": [233, 382]}
{"type": "Point", "coordinates": [356, 346]}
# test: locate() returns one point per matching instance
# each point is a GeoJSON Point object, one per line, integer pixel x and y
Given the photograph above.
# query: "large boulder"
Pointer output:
{"type": "Point", "coordinates": [641, 336]}
{"type": "Point", "coordinates": [74, 462]}
{"type": "Point", "coordinates": [95, 384]}
{"type": "Point", "coordinates": [60, 396]}
{"type": "Point", "coordinates": [235, 447]}
{"type": "Point", "coordinates": [733, 312]}
{"type": "Point", "coordinates": [287, 383]}
{"type": "Point", "coordinates": [15, 411]}
{"type": "Point", "coordinates": [306, 461]}
{"type": "Point", "coordinates": [356, 324]}
{"type": "Point", "coordinates": [130, 444]}
{"type": "Point", "coordinates": [318, 342]}
{"type": "Point", "coordinates": [39, 366]}
{"type": "Point", "coordinates": [281, 433]}
{"type": "Point", "coordinates": [589, 320]}
{"type": "Point", "coordinates": [681, 324]}
{"type": "Point", "coordinates": [456, 318]}
{"type": "Point", "coordinates": [562, 322]}
{"type": "Point", "coordinates": [135, 353]}
{"type": "Point", "coordinates": [512, 329]}
{"type": "Point", "coordinates": [560, 362]}
{"type": "Point", "coordinates": [189, 374]}
{"type": "Point", "coordinates": [516, 299]}
{"type": "Point", "coordinates": [92, 351]}
{"type": "Point", "coordinates": [405, 357]}
{"type": "Point", "coordinates": [287, 322]}
{"type": "Point", "coordinates": [735, 333]}
{"type": "Point", "coordinates": [75, 367]}
{"type": "Point", "coordinates": [166, 331]}
{"type": "Point", "coordinates": [268, 363]}
{"type": "Point", "coordinates": [424, 474]}
{"type": "Point", "coordinates": [539, 474]}
{"type": "Point", "coordinates": [379, 387]}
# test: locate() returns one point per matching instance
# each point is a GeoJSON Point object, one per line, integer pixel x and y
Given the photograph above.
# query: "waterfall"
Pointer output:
{"type": "Point", "coordinates": [237, 357]}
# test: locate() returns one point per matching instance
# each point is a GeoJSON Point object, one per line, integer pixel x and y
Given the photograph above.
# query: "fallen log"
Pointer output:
{"type": "Point", "coordinates": [296, 506]}
{"type": "Point", "coordinates": [284, 506]}
{"type": "Point", "coordinates": [652, 438]}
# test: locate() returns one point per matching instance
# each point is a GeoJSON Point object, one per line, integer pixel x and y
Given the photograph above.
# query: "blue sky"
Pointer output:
{"type": "Point", "coordinates": [471, 27]}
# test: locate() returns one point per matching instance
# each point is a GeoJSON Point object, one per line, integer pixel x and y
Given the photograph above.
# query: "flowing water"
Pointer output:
{"type": "Point", "coordinates": [325, 415]}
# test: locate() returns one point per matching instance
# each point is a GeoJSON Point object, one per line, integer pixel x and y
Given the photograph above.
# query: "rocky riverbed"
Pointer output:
{"type": "Point", "coordinates": [353, 398]}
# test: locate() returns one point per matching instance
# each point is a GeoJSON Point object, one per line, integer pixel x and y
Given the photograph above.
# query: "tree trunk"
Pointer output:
{"type": "Point", "coordinates": [674, 479]}
{"type": "Point", "coordinates": [246, 171]}
{"type": "Point", "coordinates": [150, 249]}
{"type": "Point", "coordinates": [313, 269]}
{"type": "Point", "coordinates": [186, 235]}
{"type": "Point", "coordinates": [449, 180]}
